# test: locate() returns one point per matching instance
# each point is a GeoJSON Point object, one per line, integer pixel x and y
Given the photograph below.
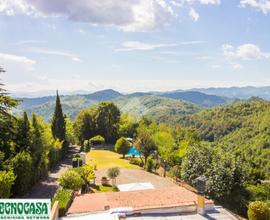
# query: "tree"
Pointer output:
{"type": "Point", "coordinates": [6, 102]}
{"type": "Point", "coordinates": [7, 121]}
{"type": "Point", "coordinates": [122, 146]}
{"type": "Point", "coordinates": [128, 126]}
{"type": "Point", "coordinates": [225, 182]}
{"type": "Point", "coordinates": [7, 180]}
{"type": "Point", "coordinates": [84, 125]}
{"type": "Point", "coordinates": [145, 143]}
{"type": "Point", "coordinates": [87, 146]}
{"type": "Point", "coordinates": [36, 148]}
{"type": "Point", "coordinates": [22, 168]}
{"type": "Point", "coordinates": [107, 121]}
{"type": "Point", "coordinates": [70, 134]}
{"type": "Point", "coordinates": [23, 137]}
{"type": "Point", "coordinates": [113, 173]}
{"type": "Point", "coordinates": [196, 162]}
{"type": "Point", "coordinates": [258, 211]}
{"type": "Point", "coordinates": [71, 180]}
{"type": "Point", "coordinates": [58, 121]}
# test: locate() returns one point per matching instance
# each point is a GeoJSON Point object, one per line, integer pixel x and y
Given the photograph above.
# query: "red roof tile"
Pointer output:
{"type": "Point", "coordinates": [138, 200]}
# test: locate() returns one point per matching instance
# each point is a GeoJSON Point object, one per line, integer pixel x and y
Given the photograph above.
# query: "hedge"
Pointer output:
{"type": "Point", "coordinates": [64, 198]}
{"type": "Point", "coordinates": [97, 140]}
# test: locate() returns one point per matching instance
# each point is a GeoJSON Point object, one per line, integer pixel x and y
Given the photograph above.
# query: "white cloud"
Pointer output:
{"type": "Point", "coordinates": [262, 5]}
{"type": "Point", "coordinates": [11, 7]}
{"type": "Point", "coordinates": [126, 15]}
{"type": "Point", "coordinates": [210, 2]}
{"type": "Point", "coordinates": [243, 52]}
{"type": "Point", "coordinates": [216, 66]}
{"type": "Point", "coordinates": [237, 66]}
{"type": "Point", "coordinates": [136, 45]}
{"type": "Point", "coordinates": [193, 14]}
{"type": "Point", "coordinates": [72, 56]}
{"type": "Point", "coordinates": [11, 60]}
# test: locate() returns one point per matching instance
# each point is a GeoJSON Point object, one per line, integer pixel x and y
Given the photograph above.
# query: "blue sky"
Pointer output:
{"type": "Point", "coordinates": [133, 45]}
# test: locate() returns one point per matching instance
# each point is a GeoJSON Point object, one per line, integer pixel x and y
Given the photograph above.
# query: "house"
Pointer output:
{"type": "Point", "coordinates": [170, 202]}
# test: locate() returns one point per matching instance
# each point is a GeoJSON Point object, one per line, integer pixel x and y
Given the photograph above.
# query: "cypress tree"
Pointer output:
{"type": "Point", "coordinates": [58, 121]}
{"type": "Point", "coordinates": [23, 133]}
{"type": "Point", "coordinates": [36, 148]}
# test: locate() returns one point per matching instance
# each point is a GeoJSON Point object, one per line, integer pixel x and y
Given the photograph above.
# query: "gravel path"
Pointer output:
{"type": "Point", "coordinates": [136, 175]}
{"type": "Point", "coordinates": [48, 186]}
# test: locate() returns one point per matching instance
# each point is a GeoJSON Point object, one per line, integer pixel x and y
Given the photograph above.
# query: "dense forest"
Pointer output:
{"type": "Point", "coordinates": [229, 144]}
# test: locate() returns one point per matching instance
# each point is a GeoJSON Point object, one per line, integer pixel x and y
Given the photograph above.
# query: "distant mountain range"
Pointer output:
{"type": "Point", "coordinates": [238, 92]}
{"type": "Point", "coordinates": [161, 106]}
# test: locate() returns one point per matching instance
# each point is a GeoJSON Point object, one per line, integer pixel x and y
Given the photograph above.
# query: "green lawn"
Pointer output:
{"type": "Point", "coordinates": [100, 188]}
{"type": "Point", "coordinates": [105, 159]}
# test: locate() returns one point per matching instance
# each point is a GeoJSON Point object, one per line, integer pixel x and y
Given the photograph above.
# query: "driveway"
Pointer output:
{"type": "Point", "coordinates": [136, 175]}
{"type": "Point", "coordinates": [47, 187]}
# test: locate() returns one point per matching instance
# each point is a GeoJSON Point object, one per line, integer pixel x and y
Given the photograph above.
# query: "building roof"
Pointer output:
{"type": "Point", "coordinates": [135, 186]}
{"type": "Point", "coordinates": [137, 200]}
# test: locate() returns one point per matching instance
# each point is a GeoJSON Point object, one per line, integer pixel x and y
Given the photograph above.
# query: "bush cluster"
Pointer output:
{"type": "Point", "coordinates": [97, 140]}
{"type": "Point", "coordinates": [258, 211]}
{"type": "Point", "coordinates": [136, 161]}
{"type": "Point", "coordinates": [64, 198]}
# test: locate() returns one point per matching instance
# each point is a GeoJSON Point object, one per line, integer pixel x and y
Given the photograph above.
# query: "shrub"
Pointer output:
{"type": "Point", "coordinates": [258, 211]}
{"type": "Point", "coordinates": [150, 164]}
{"type": "Point", "coordinates": [77, 156]}
{"type": "Point", "coordinates": [122, 146]}
{"type": "Point", "coordinates": [55, 153]}
{"type": "Point", "coordinates": [64, 197]}
{"type": "Point", "coordinates": [87, 146]}
{"type": "Point", "coordinates": [113, 173]}
{"type": "Point", "coordinates": [86, 173]}
{"type": "Point", "coordinates": [7, 180]}
{"type": "Point", "coordinates": [97, 140]}
{"type": "Point", "coordinates": [175, 171]}
{"type": "Point", "coordinates": [22, 168]}
{"type": "Point", "coordinates": [136, 161]}
{"type": "Point", "coordinates": [70, 180]}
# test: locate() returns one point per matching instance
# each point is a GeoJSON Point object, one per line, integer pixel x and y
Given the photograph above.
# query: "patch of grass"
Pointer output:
{"type": "Point", "coordinates": [105, 159]}
{"type": "Point", "coordinates": [101, 188]}
{"type": "Point", "coordinates": [63, 196]}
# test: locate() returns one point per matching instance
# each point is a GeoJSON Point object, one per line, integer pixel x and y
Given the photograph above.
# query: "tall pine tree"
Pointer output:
{"type": "Point", "coordinates": [23, 134]}
{"type": "Point", "coordinates": [59, 125]}
{"type": "Point", "coordinates": [7, 121]}
{"type": "Point", "coordinates": [58, 121]}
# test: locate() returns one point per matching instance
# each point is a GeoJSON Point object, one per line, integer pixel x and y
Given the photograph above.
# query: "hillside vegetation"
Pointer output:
{"type": "Point", "coordinates": [157, 108]}
{"type": "Point", "coordinates": [154, 107]}
{"type": "Point", "coordinates": [241, 128]}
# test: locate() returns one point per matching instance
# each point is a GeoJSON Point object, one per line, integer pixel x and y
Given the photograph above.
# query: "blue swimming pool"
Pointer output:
{"type": "Point", "coordinates": [133, 151]}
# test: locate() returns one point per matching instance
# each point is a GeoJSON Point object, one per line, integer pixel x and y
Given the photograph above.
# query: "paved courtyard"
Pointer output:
{"type": "Point", "coordinates": [136, 175]}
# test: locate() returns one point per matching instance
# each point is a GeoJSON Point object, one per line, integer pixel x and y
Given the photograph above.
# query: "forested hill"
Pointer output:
{"type": "Point", "coordinates": [155, 107]}
{"type": "Point", "coordinates": [216, 123]}
{"type": "Point", "coordinates": [197, 98]}
{"type": "Point", "coordinates": [159, 106]}
{"type": "Point", "coordinates": [242, 128]}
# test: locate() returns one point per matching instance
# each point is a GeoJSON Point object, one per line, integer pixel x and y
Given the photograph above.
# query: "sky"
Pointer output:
{"type": "Point", "coordinates": [133, 45]}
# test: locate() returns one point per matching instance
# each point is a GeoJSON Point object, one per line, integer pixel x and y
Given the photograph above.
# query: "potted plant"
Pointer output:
{"type": "Point", "coordinates": [104, 181]}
